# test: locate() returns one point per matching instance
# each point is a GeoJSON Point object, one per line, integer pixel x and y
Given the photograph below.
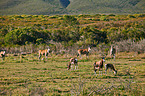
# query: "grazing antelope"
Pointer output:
{"type": "Point", "coordinates": [43, 52]}
{"type": "Point", "coordinates": [2, 54]}
{"type": "Point", "coordinates": [83, 51]}
{"type": "Point", "coordinates": [111, 66]}
{"type": "Point", "coordinates": [112, 52]}
{"type": "Point", "coordinates": [99, 65]}
{"type": "Point", "coordinates": [73, 61]}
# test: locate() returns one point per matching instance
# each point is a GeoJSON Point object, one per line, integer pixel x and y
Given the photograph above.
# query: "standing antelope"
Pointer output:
{"type": "Point", "coordinates": [2, 54]}
{"type": "Point", "coordinates": [83, 51]}
{"type": "Point", "coordinates": [112, 52]}
{"type": "Point", "coordinates": [111, 66]}
{"type": "Point", "coordinates": [73, 61]}
{"type": "Point", "coordinates": [43, 52]}
{"type": "Point", "coordinates": [99, 65]}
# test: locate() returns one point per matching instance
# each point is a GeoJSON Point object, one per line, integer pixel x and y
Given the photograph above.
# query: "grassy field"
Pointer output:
{"type": "Point", "coordinates": [28, 76]}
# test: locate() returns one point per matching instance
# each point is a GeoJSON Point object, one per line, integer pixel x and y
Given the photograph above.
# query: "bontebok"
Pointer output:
{"type": "Point", "coordinates": [2, 54]}
{"type": "Point", "coordinates": [84, 51]}
{"type": "Point", "coordinates": [73, 62]}
{"type": "Point", "coordinates": [43, 52]}
{"type": "Point", "coordinates": [110, 66]}
{"type": "Point", "coordinates": [112, 52]}
{"type": "Point", "coordinates": [99, 65]}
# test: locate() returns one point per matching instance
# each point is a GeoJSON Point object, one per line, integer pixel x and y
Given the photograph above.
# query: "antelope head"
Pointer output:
{"type": "Point", "coordinates": [103, 59]}
{"type": "Point", "coordinates": [48, 50]}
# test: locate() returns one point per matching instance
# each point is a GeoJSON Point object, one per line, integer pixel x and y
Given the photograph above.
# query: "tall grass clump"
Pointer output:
{"type": "Point", "coordinates": [131, 46]}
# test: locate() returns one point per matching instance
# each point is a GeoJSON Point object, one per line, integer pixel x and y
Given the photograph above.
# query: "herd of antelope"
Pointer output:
{"type": "Point", "coordinates": [97, 65]}
{"type": "Point", "coordinates": [74, 62]}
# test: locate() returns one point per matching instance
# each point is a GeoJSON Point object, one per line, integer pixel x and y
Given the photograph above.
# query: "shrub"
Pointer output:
{"type": "Point", "coordinates": [71, 20]}
{"type": "Point", "coordinates": [111, 15]}
{"type": "Point", "coordinates": [131, 16]}
{"type": "Point", "coordinates": [104, 18]}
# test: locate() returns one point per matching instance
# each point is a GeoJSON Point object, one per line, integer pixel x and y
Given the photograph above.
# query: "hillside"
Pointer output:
{"type": "Point", "coordinates": [107, 6]}
{"type": "Point", "coordinates": [51, 7]}
{"type": "Point", "coordinates": [31, 7]}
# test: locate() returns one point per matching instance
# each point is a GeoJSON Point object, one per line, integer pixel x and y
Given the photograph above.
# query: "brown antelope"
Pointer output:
{"type": "Point", "coordinates": [43, 52]}
{"type": "Point", "coordinates": [2, 54]}
{"type": "Point", "coordinates": [83, 51]}
{"type": "Point", "coordinates": [112, 52]}
{"type": "Point", "coordinates": [73, 61]}
{"type": "Point", "coordinates": [111, 66]}
{"type": "Point", "coordinates": [99, 65]}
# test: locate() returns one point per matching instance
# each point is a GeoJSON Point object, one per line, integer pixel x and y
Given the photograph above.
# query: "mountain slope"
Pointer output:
{"type": "Point", "coordinates": [32, 7]}
{"type": "Point", "coordinates": [51, 7]}
{"type": "Point", "coordinates": [106, 6]}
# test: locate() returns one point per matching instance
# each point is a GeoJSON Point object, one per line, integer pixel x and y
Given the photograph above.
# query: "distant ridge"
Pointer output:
{"type": "Point", "coordinates": [52, 7]}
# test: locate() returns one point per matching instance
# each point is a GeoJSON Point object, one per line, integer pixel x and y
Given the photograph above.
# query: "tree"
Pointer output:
{"type": "Point", "coordinates": [20, 36]}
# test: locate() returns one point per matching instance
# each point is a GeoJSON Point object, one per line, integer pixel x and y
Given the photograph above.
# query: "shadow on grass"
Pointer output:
{"type": "Point", "coordinates": [135, 60]}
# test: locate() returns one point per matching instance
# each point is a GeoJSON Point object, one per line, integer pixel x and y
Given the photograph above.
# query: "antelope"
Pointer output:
{"type": "Point", "coordinates": [2, 54]}
{"type": "Point", "coordinates": [73, 61]}
{"type": "Point", "coordinates": [83, 51]}
{"type": "Point", "coordinates": [111, 66]}
{"type": "Point", "coordinates": [112, 52]}
{"type": "Point", "coordinates": [43, 52]}
{"type": "Point", "coordinates": [99, 65]}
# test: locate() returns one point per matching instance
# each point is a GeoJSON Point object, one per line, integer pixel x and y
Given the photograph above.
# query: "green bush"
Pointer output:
{"type": "Point", "coordinates": [71, 20]}
{"type": "Point", "coordinates": [104, 18]}
{"type": "Point", "coordinates": [131, 16]}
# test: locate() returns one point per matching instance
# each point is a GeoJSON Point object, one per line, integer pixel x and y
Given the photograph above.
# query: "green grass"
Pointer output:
{"type": "Point", "coordinates": [53, 78]}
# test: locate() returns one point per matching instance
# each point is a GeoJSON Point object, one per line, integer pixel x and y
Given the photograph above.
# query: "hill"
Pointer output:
{"type": "Point", "coordinates": [51, 7]}
{"type": "Point", "coordinates": [31, 7]}
{"type": "Point", "coordinates": [107, 6]}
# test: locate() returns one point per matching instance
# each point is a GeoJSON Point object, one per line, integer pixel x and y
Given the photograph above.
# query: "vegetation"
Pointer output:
{"type": "Point", "coordinates": [64, 34]}
{"type": "Point", "coordinates": [70, 30]}
{"type": "Point", "coordinates": [28, 76]}
{"type": "Point", "coordinates": [52, 7]}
